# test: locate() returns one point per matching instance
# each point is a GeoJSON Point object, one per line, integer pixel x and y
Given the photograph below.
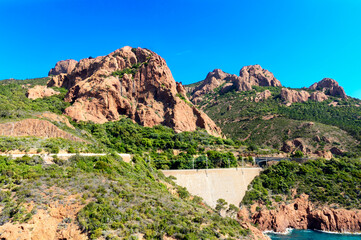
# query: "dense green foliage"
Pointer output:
{"type": "Point", "coordinates": [14, 103]}
{"type": "Point", "coordinates": [334, 182]}
{"type": "Point", "coordinates": [270, 122]}
{"type": "Point", "coordinates": [160, 142]}
{"type": "Point", "coordinates": [120, 200]}
{"type": "Point", "coordinates": [52, 145]}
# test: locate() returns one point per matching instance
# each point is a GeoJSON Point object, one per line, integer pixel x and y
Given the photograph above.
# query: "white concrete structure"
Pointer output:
{"type": "Point", "coordinates": [212, 184]}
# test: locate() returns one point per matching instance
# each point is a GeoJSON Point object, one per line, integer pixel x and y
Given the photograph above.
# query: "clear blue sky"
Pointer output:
{"type": "Point", "coordinates": [301, 42]}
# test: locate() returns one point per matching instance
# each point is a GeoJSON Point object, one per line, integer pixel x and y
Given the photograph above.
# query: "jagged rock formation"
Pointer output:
{"type": "Point", "coordinates": [249, 76]}
{"type": "Point", "coordinates": [329, 87]}
{"type": "Point", "coordinates": [34, 127]}
{"type": "Point", "coordinates": [256, 76]}
{"type": "Point", "coordinates": [290, 96]}
{"type": "Point", "coordinates": [133, 82]}
{"type": "Point", "coordinates": [303, 214]}
{"type": "Point", "coordinates": [40, 92]}
{"type": "Point", "coordinates": [65, 66]}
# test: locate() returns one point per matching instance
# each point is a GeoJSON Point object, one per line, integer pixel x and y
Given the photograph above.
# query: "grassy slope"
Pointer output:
{"type": "Point", "coordinates": [120, 199]}
{"type": "Point", "coordinates": [271, 123]}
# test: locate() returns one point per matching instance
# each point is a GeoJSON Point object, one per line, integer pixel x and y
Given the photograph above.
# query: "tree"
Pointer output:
{"type": "Point", "coordinates": [221, 205]}
{"type": "Point", "coordinates": [232, 210]}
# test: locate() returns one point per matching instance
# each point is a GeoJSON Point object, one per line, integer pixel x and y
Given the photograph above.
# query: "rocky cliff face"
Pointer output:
{"type": "Point", "coordinates": [330, 87]}
{"type": "Point", "coordinates": [34, 127]}
{"type": "Point", "coordinates": [249, 76]}
{"type": "Point", "coordinates": [133, 82]}
{"type": "Point", "coordinates": [65, 66]}
{"type": "Point", "coordinates": [302, 214]}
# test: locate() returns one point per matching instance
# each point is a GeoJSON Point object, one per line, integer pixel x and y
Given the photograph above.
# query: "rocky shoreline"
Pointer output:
{"type": "Point", "coordinates": [302, 214]}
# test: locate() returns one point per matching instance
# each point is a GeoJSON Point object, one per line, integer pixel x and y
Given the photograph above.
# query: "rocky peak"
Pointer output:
{"type": "Point", "coordinates": [65, 66]}
{"type": "Point", "coordinates": [330, 87]}
{"type": "Point", "coordinates": [256, 76]}
{"type": "Point", "coordinates": [252, 75]}
{"type": "Point", "coordinates": [130, 81]}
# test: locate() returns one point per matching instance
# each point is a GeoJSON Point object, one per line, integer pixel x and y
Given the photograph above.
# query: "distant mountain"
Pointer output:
{"type": "Point", "coordinates": [254, 107]}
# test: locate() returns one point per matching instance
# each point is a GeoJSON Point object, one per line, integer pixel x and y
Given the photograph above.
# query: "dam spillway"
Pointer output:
{"type": "Point", "coordinates": [212, 184]}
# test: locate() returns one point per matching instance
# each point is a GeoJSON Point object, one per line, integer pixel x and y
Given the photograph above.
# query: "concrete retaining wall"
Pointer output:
{"type": "Point", "coordinates": [213, 184]}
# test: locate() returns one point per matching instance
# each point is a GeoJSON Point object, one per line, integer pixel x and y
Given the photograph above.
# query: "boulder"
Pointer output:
{"type": "Point", "coordinates": [293, 96]}
{"type": "Point", "coordinates": [40, 92]}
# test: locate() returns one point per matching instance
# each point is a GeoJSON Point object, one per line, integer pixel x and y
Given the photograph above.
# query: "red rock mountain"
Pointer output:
{"type": "Point", "coordinates": [130, 81]}
{"type": "Point", "coordinates": [65, 66]}
{"type": "Point", "coordinates": [249, 76]}
{"type": "Point", "coordinates": [329, 87]}
{"type": "Point", "coordinates": [255, 75]}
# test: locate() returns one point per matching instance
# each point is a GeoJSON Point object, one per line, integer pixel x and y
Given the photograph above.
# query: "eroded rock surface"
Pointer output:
{"type": "Point", "coordinates": [130, 81]}
{"type": "Point", "coordinates": [292, 96]}
{"type": "Point", "coordinates": [302, 214]}
{"type": "Point", "coordinates": [65, 66]}
{"type": "Point", "coordinates": [34, 127]}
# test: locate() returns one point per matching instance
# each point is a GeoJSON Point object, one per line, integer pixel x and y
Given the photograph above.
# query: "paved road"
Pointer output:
{"type": "Point", "coordinates": [126, 157]}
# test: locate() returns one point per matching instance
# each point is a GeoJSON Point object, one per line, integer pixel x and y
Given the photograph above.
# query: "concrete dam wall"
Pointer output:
{"type": "Point", "coordinates": [213, 184]}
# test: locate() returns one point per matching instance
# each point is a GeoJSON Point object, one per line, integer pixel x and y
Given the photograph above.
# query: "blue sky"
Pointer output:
{"type": "Point", "coordinates": [301, 42]}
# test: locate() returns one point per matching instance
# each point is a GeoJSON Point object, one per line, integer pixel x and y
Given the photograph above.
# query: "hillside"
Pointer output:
{"type": "Point", "coordinates": [319, 121]}
{"type": "Point", "coordinates": [319, 194]}
{"type": "Point", "coordinates": [102, 198]}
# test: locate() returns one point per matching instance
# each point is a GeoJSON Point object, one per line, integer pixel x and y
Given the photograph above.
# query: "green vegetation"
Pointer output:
{"type": "Point", "coordinates": [120, 199]}
{"type": "Point", "coordinates": [270, 122]}
{"type": "Point", "coordinates": [14, 104]}
{"type": "Point", "coordinates": [52, 145]}
{"type": "Point", "coordinates": [335, 182]}
{"type": "Point", "coordinates": [158, 144]}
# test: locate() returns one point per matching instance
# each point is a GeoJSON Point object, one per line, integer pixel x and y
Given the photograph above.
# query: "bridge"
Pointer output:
{"type": "Point", "coordinates": [212, 184]}
{"type": "Point", "coordinates": [262, 161]}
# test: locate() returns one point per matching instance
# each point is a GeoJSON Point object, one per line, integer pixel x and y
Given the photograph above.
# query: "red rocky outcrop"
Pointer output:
{"type": "Point", "coordinates": [143, 88]}
{"type": "Point", "coordinates": [329, 87]}
{"type": "Point", "coordinates": [302, 214]}
{"type": "Point", "coordinates": [290, 96]}
{"type": "Point", "coordinates": [40, 92]}
{"type": "Point", "coordinates": [65, 66]}
{"type": "Point", "coordinates": [249, 76]}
